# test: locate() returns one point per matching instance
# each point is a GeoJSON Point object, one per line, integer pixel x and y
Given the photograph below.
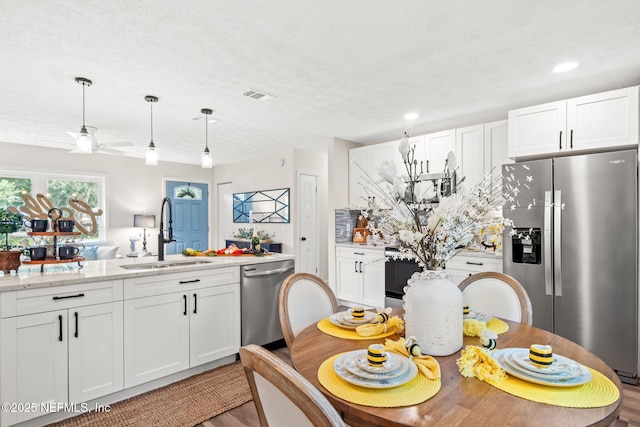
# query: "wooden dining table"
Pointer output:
{"type": "Point", "coordinates": [461, 400]}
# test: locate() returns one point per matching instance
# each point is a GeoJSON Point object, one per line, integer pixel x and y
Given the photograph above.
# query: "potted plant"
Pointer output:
{"type": "Point", "coordinates": [10, 222]}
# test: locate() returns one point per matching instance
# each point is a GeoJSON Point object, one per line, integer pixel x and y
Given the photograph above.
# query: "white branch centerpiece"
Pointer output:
{"type": "Point", "coordinates": [413, 212]}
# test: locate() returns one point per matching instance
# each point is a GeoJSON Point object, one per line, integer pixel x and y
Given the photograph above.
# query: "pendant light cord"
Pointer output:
{"type": "Point", "coordinates": [83, 125]}
{"type": "Point", "coordinates": [206, 130]}
{"type": "Point", "coordinates": [151, 103]}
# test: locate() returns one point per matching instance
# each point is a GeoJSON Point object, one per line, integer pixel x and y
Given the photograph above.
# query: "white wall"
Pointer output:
{"type": "Point", "coordinates": [131, 186]}
{"type": "Point", "coordinates": [272, 171]}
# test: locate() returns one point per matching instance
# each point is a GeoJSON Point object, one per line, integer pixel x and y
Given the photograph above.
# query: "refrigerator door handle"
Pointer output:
{"type": "Point", "coordinates": [557, 242]}
{"type": "Point", "coordinates": [548, 273]}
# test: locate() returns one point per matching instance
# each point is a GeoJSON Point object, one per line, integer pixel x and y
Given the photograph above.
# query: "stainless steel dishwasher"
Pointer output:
{"type": "Point", "coordinates": [260, 285]}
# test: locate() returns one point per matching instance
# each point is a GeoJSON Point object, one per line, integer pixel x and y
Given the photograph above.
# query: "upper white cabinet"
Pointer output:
{"type": "Point", "coordinates": [438, 145]}
{"type": "Point", "coordinates": [365, 161]}
{"type": "Point", "coordinates": [481, 149]}
{"type": "Point", "coordinates": [600, 121]}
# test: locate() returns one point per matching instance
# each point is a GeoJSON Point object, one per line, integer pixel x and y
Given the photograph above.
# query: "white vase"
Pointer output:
{"type": "Point", "coordinates": [433, 313]}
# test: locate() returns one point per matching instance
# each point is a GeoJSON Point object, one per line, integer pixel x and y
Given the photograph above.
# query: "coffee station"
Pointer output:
{"type": "Point", "coordinates": [48, 251]}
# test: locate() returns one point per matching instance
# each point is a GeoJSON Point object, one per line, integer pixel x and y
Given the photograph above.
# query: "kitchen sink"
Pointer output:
{"type": "Point", "coordinates": [162, 264]}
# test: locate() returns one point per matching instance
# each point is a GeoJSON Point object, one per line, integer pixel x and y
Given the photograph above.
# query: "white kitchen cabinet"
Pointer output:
{"type": "Point", "coordinates": [179, 321]}
{"type": "Point", "coordinates": [463, 265]}
{"type": "Point", "coordinates": [496, 147]}
{"type": "Point", "coordinates": [481, 149]}
{"type": "Point", "coordinates": [60, 344]}
{"type": "Point", "coordinates": [365, 161]}
{"type": "Point", "coordinates": [471, 156]}
{"type": "Point", "coordinates": [599, 121]}
{"type": "Point", "coordinates": [438, 145]}
{"type": "Point", "coordinates": [358, 168]}
{"type": "Point", "coordinates": [360, 276]}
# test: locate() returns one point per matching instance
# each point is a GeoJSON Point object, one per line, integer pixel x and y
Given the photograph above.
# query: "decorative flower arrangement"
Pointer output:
{"type": "Point", "coordinates": [431, 229]}
{"type": "Point", "coordinates": [247, 233]}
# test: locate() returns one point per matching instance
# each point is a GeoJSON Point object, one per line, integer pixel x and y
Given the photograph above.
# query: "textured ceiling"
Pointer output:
{"type": "Point", "coordinates": [346, 69]}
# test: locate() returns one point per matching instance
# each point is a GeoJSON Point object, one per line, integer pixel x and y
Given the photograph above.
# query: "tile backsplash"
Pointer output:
{"type": "Point", "coordinates": [346, 220]}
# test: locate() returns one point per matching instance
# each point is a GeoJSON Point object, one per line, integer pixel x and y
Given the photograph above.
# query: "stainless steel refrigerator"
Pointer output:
{"type": "Point", "coordinates": [577, 250]}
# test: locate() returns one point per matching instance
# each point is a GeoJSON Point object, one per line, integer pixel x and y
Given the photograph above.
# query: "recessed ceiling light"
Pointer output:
{"type": "Point", "coordinates": [411, 116]}
{"type": "Point", "coordinates": [565, 66]}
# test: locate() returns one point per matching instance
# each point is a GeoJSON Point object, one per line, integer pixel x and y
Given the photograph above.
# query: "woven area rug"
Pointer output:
{"type": "Point", "coordinates": [182, 404]}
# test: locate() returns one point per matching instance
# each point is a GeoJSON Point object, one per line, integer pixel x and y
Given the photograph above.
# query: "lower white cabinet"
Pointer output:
{"type": "Point", "coordinates": [462, 266]}
{"type": "Point", "coordinates": [191, 319]}
{"type": "Point", "coordinates": [360, 276]}
{"type": "Point", "coordinates": [58, 346]}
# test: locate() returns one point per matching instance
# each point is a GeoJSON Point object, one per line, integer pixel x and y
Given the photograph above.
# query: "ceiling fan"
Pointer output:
{"type": "Point", "coordinates": [98, 147]}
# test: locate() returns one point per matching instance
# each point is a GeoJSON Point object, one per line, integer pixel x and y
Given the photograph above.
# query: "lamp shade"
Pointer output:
{"type": "Point", "coordinates": [144, 221]}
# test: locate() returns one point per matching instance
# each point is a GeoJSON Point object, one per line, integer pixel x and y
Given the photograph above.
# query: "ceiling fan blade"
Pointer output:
{"type": "Point", "coordinates": [119, 144]}
{"type": "Point", "coordinates": [106, 150]}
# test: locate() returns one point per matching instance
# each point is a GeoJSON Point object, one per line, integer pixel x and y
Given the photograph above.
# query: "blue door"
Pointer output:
{"type": "Point", "coordinates": [189, 203]}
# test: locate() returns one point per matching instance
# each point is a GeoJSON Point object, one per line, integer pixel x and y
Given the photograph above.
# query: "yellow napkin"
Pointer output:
{"type": "Point", "coordinates": [395, 325]}
{"type": "Point", "coordinates": [427, 365]}
{"type": "Point", "coordinates": [474, 327]}
{"type": "Point", "coordinates": [477, 362]}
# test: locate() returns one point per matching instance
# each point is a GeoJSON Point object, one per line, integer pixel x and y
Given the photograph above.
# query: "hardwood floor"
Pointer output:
{"type": "Point", "coordinates": [246, 414]}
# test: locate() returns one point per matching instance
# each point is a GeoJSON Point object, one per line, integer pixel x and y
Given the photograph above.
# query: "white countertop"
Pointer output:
{"type": "Point", "coordinates": [29, 276]}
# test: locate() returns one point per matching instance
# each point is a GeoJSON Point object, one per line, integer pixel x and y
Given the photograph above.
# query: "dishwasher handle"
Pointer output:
{"type": "Point", "coordinates": [252, 273]}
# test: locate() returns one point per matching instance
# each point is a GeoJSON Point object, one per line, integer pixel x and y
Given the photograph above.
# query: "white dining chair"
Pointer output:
{"type": "Point", "coordinates": [304, 299]}
{"type": "Point", "coordinates": [497, 294]}
{"type": "Point", "coordinates": [282, 396]}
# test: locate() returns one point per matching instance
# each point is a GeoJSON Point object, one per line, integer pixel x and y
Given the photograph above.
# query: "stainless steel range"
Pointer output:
{"type": "Point", "coordinates": [396, 274]}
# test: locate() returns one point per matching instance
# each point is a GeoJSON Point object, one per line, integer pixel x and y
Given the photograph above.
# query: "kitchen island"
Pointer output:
{"type": "Point", "coordinates": [115, 328]}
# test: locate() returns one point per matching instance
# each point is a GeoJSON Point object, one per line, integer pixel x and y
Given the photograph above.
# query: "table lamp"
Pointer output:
{"type": "Point", "coordinates": [144, 222]}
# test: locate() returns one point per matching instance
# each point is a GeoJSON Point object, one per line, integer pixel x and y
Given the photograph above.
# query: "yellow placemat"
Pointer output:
{"type": "Point", "coordinates": [600, 391]}
{"type": "Point", "coordinates": [498, 326]}
{"type": "Point", "coordinates": [415, 391]}
{"type": "Point", "coordinates": [329, 328]}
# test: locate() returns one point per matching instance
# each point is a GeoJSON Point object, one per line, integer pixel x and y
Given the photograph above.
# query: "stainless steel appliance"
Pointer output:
{"type": "Point", "coordinates": [577, 251]}
{"type": "Point", "coordinates": [260, 287]}
{"type": "Point", "coordinates": [396, 274]}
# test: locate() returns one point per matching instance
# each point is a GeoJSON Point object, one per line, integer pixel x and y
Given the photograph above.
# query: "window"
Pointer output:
{"type": "Point", "coordinates": [58, 189]}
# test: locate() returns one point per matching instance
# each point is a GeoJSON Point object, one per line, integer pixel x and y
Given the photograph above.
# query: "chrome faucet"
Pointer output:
{"type": "Point", "coordinates": [161, 239]}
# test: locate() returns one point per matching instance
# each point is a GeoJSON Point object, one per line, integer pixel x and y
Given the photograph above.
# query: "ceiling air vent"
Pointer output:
{"type": "Point", "coordinates": [254, 94]}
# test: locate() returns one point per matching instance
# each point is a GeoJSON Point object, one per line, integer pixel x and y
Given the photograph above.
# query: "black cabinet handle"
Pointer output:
{"type": "Point", "coordinates": [185, 304]}
{"type": "Point", "coordinates": [60, 327]}
{"type": "Point", "coordinates": [195, 303]}
{"type": "Point", "coordinates": [474, 263]}
{"type": "Point", "coordinates": [355, 266]}
{"type": "Point", "coordinates": [75, 314]}
{"type": "Point", "coordinates": [304, 239]}
{"type": "Point", "coordinates": [571, 138]}
{"type": "Point", "coordinates": [561, 140]}
{"type": "Point", "coordinates": [182, 282]}
{"type": "Point", "coordinates": [56, 298]}
{"type": "Point", "coordinates": [360, 266]}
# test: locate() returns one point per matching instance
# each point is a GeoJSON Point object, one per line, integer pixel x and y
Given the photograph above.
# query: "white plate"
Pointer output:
{"type": "Point", "coordinates": [478, 315]}
{"type": "Point", "coordinates": [340, 319]}
{"type": "Point", "coordinates": [561, 366]}
{"type": "Point", "coordinates": [499, 357]}
{"type": "Point", "coordinates": [573, 372]}
{"type": "Point", "coordinates": [347, 318]}
{"type": "Point", "coordinates": [341, 370]}
{"type": "Point", "coordinates": [393, 363]}
{"type": "Point", "coordinates": [352, 366]}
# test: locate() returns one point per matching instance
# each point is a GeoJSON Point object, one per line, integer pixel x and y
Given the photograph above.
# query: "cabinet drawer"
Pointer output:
{"type": "Point", "coordinates": [139, 287]}
{"type": "Point", "coordinates": [474, 264]}
{"type": "Point", "coordinates": [359, 253]}
{"type": "Point", "coordinates": [30, 301]}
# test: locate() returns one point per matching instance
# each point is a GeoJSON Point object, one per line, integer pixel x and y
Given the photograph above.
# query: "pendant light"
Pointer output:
{"type": "Point", "coordinates": [152, 154]}
{"type": "Point", "coordinates": [206, 159]}
{"type": "Point", "coordinates": [83, 140]}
